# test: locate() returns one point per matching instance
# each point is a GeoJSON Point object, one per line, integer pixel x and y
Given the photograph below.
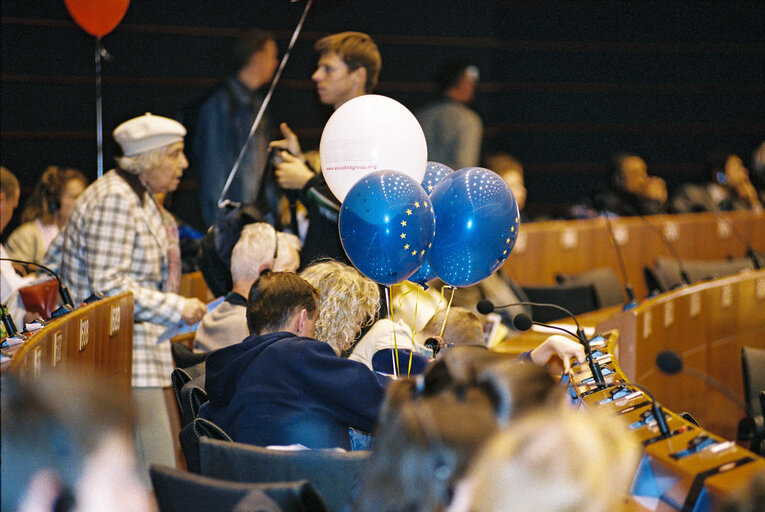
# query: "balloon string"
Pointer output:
{"type": "Point", "coordinates": [266, 100]}
{"type": "Point", "coordinates": [99, 112]}
{"type": "Point", "coordinates": [448, 309]}
{"type": "Point", "coordinates": [395, 343]}
{"type": "Point", "coordinates": [414, 331]}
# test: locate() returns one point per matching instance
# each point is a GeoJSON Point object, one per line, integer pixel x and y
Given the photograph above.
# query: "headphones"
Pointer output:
{"type": "Point", "coordinates": [50, 196]}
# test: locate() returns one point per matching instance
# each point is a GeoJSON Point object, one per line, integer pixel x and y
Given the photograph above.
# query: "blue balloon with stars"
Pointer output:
{"type": "Point", "coordinates": [424, 274]}
{"type": "Point", "coordinates": [434, 173]}
{"type": "Point", "coordinates": [477, 224]}
{"type": "Point", "coordinates": [386, 225]}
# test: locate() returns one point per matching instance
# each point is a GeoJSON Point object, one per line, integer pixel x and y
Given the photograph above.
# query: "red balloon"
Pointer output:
{"type": "Point", "coordinates": [97, 17]}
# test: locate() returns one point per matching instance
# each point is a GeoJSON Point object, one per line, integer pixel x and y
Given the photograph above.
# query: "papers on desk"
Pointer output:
{"type": "Point", "coordinates": [588, 331]}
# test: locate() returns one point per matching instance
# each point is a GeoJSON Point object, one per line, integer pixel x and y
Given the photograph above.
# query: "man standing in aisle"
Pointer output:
{"type": "Point", "coordinates": [452, 129]}
{"type": "Point", "coordinates": [224, 123]}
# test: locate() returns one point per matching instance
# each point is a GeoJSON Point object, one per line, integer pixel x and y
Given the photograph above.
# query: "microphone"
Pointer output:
{"type": "Point", "coordinates": [631, 301]}
{"type": "Point", "coordinates": [522, 322]}
{"type": "Point", "coordinates": [741, 238]}
{"type": "Point", "coordinates": [656, 409]}
{"type": "Point", "coordinates": [486, 306]}
{"type": "Point", "coordinates": [8, 323]}
{"type": "Point", "coordinates": [671, 363]}
{"type": "Point", "coordinates": [66, 299]}
{"type": "Point", "coordinates": [683, 274]}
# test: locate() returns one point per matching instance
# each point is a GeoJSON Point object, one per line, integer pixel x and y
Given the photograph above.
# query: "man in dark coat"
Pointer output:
{"type": "Point", "coordinates": [280, 386]}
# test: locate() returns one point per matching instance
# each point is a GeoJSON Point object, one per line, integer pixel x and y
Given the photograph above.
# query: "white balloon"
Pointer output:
{"type": "Point", "coordinates": [367, 134]}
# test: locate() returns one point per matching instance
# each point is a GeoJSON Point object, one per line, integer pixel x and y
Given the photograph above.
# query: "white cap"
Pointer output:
{"type": "Point", "coordinates": [147, 132]}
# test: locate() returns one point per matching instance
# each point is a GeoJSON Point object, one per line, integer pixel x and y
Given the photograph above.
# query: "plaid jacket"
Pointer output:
{"type": "Point", "coordinates": [112, 243]}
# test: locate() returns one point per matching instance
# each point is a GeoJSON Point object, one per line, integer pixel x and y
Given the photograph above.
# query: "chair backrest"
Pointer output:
{"type": "Point", "coordinates": [609, 290]}
{"type": "Point", "coordinates": [334, 474]}
{"type": "Point", "coordinates": [193, 395]}
{"type": "Point", "coordinates": [190, 435]}
{"type": "Point", "coordinates": [40, 298]}
{"type": "Point", "coordinates": [179, 377]}
{"type": "Point", "coordinates": [753, 371]}
{"type": "Point", "coordinates": [577, 298]}
{"type": "Point", "coordinates": [183, 355]}
{"type": "Point", "coordinates": [181, 491]}
{"type": "Point", "coordinates": [667, 272]}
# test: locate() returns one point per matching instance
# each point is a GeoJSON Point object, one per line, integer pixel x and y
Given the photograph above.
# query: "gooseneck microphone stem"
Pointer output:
{"type": "Point", "coordinates": [741, 238]}
{"type": "Point", "coordinates": [66, 299]}
{"type": "Point", "coordinates": [683, 274]}
{"type": "Point", "coordinates": [670, 363]}
{"type": "Point", "coordinates": [631, 301]}
{"type": "Point", "coordinates": [656, 409]}
{"type": "Point", "coordinates": [486, 306]}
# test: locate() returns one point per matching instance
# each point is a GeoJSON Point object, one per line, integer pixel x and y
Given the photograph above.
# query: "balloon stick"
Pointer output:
{"type": "Point", "coordinates": [99, 113]}
{"type": "Point", "coordinates": [394, 355]}
{"type": "Point", "coordinates": [256, 122]}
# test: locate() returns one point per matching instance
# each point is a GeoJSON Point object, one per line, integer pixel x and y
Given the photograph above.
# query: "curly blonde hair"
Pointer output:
{"type": "Point", "coordinates": [347, 302]}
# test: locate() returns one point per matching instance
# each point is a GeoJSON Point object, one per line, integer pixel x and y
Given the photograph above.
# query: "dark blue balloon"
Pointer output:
{"type": "Point", "coordinates": [424, 274]}
{"type": "Point", "coordinates": [476, 226]}
{"type": "Point", "coordinates": [434, 173]}
{"type": "Point", "coordinates": [386, 225]}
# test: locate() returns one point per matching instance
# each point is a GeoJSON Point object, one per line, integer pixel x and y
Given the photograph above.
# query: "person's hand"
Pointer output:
{"type": "Point", "coordinates": [290, 141]}
{"type": "Point", "coordinates": [560, 346]}
{"type": "Point", "coordinates": [656, 188]}
{"type": "Point", "coordinates": [748, 193]}
{"type": "Point", "coordinates": [193, 311]}
{"type": "Point", "coordinates": [292, 173]}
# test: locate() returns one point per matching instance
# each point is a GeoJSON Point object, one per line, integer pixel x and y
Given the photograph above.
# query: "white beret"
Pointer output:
{"type": "Point", "coordinates": [147, 132]}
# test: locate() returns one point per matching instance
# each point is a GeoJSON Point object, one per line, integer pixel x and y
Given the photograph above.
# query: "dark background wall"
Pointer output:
{"type": "Point", "coordinates": [564, 84]}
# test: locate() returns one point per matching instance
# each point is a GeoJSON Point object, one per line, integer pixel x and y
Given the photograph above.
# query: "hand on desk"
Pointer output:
{"type": "Point", "coordinates": [562, 347]}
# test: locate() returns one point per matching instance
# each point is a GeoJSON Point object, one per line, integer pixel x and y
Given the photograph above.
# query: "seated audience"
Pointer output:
{"type": "Point", "coordinates": [10, 280]}
{"type": "Point", "coordinates": [462, 328]}
{"type": "Point", "coordinates": [252, 254]}
{"type": "Point", "coordinates": [552, 460]}
{"type": "Point", "coordinates": [281, 386]}
{"type": "Point", "coordinates": [511, 170]}
{"type": "Point", "coordinates": [730, 188]}
{"type": "Point", "coordinates": [347, 302]}
{"type": "Point", "coordinates": [633, 191]}
{"type": "Point", "coordinates": [45, 213]}
{"type": "Point", "coordinates": [424, 443]}
{"type": "Point", "coordinates": [66, 446]}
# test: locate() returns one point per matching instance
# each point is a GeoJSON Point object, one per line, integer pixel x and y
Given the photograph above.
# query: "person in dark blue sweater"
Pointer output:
{"type": "Point", "coordinates": [281, 386]}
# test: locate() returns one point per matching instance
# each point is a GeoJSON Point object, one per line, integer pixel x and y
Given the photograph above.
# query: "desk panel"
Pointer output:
{"type": "Point", "coordinates": [96, 339]}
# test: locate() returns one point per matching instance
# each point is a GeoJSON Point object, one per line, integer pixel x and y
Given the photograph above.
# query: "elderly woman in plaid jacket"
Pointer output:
{"type": "Point", "coordinates": [120, 238]}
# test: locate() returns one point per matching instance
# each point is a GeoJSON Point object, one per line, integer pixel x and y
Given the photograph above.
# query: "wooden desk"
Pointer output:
{"type": "Point", "coordinates": [544, 249]}
{"type": "Point", "coordinates": [706, 324]}
{"type": "Point", "coordinates": [681, 477]}
{"type": "Point", "coordinates": [96, 339]}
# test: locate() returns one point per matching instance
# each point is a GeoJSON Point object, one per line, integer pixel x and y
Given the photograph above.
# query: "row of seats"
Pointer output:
{"type": "Point", "coordinates": [216, 464]}
{"type": "Point", "coordinates": [602, 287]}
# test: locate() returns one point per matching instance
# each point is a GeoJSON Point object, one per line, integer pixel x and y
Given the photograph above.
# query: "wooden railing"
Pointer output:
{"type": "Point", "coordinates": [95, 340]}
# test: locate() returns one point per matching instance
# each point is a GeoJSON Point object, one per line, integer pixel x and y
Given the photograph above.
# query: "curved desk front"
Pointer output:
{"type": "Point", "coordinates": [95, 340]}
